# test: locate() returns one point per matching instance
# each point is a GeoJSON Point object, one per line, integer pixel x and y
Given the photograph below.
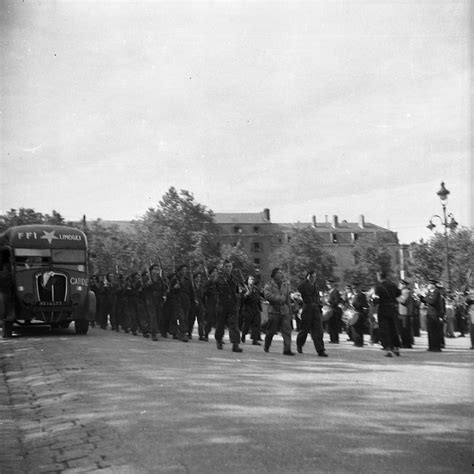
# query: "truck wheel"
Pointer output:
{"type": "Point", "coordinates": [81, 325]}
{"type": "Point", "coordinates": [7, 329]}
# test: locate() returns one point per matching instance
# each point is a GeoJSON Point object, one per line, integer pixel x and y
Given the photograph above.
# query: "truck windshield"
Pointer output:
{"type": "Point", "coordinates": [32, 258]}
{"type": "Point", "coordinates": [69, 256]}
{"type": "Point", "coordinates": [37, 258]}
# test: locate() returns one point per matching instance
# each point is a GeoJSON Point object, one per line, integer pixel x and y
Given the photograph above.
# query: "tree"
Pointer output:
{"type": "Point", "coordinates": [25, 216]}
{"type": "Point", "coordinates": [427, 259]}
{"type": "Point", "coordinates": [179, 230]}
{"type": "Point", "coordinates": [239, 258]}
{"type": "Point", "coordinates": [304, 252]}
{"type": "Point", "coordinates": [370, 256]}
{"type": "Point", "coordinates": [110, 249]}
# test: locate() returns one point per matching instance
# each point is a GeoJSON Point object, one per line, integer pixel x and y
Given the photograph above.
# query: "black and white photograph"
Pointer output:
{"type": "Point", "coordinates": [236, 236]}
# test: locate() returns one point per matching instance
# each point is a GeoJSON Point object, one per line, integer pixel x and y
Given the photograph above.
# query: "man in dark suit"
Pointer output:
{"type": "Point", "coordinates": [228, 298]}
{"type": "Point", "coordinates": [434, 317]}
{"type": "Point", "coordinates": [335, 322]}
{"type": "Point", "coordinates": [387, 294]}
{"type": "Point", "coordinates": [311, 319]}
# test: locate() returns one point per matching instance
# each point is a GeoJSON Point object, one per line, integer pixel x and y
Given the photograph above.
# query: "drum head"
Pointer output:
{"type": "Point", "coordinates": [327, 312]}
{"type": "Point", "coordinates": [354, 318]}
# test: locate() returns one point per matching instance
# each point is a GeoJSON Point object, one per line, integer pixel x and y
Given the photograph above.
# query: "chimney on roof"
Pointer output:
{"type": "Point", "coordinates": [314, 221]}
{"type": "Point", "coordinates": [266, 214]}
{"type": "Point", "coordinates": [334, 221]}
{"type": "Point", "coordinates": [326, 216]}
{"type": "Point", "coordinates": [361, 221]}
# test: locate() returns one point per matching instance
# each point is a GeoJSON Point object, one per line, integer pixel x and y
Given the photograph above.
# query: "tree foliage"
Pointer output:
{"type": "Point", "coordinates": [25, 216]}
{"type": "Point", "coordinates": [370, 256]}
{"type": "Point", "coordinates": [304, 251]}
{"type": "Point", "coordinates": [427, 259]}
{"type": "Point", "coordinates": [179, 230]}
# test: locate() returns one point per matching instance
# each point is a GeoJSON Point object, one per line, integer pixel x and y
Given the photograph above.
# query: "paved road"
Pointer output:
{"type": "Point", "coordinates": [109, 402]}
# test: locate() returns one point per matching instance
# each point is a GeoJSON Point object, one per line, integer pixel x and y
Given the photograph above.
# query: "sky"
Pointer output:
{"type": "Point", "coordinates": [335, 107]}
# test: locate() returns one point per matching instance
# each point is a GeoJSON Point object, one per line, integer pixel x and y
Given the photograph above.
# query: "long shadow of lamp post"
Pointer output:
{"type": "Point", "coordinates": [448, 222]}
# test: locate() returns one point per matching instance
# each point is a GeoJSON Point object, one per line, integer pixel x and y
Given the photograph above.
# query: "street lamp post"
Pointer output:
{"type": "Point", "coordinates": [451, 224]}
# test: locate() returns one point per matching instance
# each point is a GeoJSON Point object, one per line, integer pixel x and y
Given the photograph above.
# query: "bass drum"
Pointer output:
{"type": "Point", "coordinates": [351, 316]}
{"type": "Point", "coordinates": [327, 312]}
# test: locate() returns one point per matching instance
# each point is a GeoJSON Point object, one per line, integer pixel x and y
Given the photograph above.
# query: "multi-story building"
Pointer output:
{"type": "Point", "coordinates": [258, 236]}
{"type": "Point", "coordinates": [254, 232]}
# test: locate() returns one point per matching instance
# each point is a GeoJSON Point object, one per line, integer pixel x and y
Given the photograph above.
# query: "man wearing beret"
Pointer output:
{"type": "Point", "coordinates": [228, 300]}
{"type": "Point", "coordinates": [181, 293]}
{"type": "Point", "coordinates": [434, 317]}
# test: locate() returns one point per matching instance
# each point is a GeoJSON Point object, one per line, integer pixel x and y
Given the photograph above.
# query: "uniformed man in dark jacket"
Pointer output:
{"type": "Point", "coordinates": [228, 292]}
{"type": "Point", "coordinates": [335, 322]}
{"type": "Point", "coordinates": [434, 316]}
{"type": "Point", "coordinates": [251, 312]}
{"type": "Point", "coordinates": [311, 318]}
{"type": "Point", "coordinates": [361, 305]}
{"type": "Point", "coordinates": [155, 295]}
{"type": "Point", "coordinates": [210, 300]}
{"type": "Point", "coordinates": [181, 293]}
{"type": "Point", "coordinates": [387, 314]}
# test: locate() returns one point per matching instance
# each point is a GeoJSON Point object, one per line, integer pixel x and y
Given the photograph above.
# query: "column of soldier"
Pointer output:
{"type": "Point", "coordinates": [153, 304]}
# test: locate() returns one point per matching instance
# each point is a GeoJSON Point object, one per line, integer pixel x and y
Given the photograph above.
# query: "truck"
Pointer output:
{"type": "Point", "coordinates": [44, 278]}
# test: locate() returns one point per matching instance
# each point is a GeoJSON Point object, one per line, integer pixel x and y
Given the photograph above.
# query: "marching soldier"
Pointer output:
{"type": "Point", "coordinates": [277, 293]}
{"type": "Point", "coordinates": [311, 318]}
{"type": "Point", "coordinates": [361, 305]}
{"type": "Point", "coordinates": [251, 312]}
{"type": "Point", "coordinates": [155, 297]}
{"type": "Point", "coordinates": [387, 294]}
{"type": "Point", "coordinates": [210, 301]}
{"type": "Point", "coordinates": [434, 317]}
{"type": "Point", "coordinates": [228, 307]}
{"type": "Point", "coordinates": [335, 322]}
{"type": "Point", "coordinates": [182, 294]}
{"type": "Point", "coordinates": [197, 308]}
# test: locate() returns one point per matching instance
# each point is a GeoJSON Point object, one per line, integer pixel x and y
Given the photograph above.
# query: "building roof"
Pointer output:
{"type": "Point", "coordinates": [343, 226]}
{"type": "Point", "coordinates": [240, 218]}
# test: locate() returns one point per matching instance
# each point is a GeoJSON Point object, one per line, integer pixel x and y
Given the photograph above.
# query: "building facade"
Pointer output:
{"type": "Point", "coordinates": [258, 236]}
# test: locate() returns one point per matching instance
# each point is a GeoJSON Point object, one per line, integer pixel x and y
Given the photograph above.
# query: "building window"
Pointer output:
{"type": "Point", "coordinates": [256, 247]}
{"type": "Point", "coordinates": [355, 237]}
{"type": "Point", "coordinates": [256, 229]}
{"type": "Point", "coordinates": [334, 238]}
{"type": "Point", "coordinates": [256, 261]}
{"type": "Point", "coordinates": [237, 229]}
